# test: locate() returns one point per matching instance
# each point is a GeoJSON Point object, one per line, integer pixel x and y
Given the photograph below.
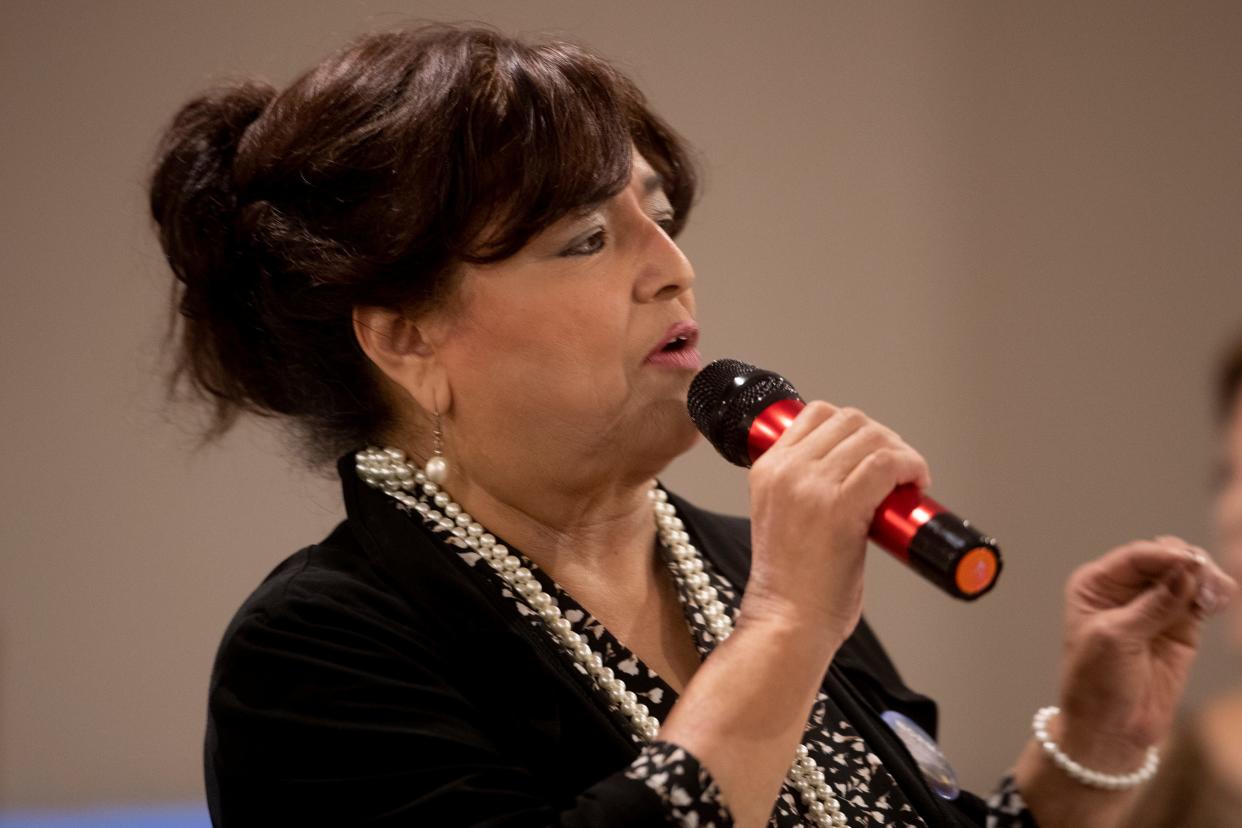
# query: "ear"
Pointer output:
{"type": "Point", "coordinates": [400, 348]}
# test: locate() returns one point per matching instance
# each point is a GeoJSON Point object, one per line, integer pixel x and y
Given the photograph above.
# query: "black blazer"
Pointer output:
{"type": "Point", "coordinates": [372, 679]}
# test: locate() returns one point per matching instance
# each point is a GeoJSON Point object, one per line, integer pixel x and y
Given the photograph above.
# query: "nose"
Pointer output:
{"type": "Point", "coordinates": [664, 271]}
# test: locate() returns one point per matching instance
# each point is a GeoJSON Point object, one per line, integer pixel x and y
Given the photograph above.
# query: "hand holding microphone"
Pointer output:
{"type": "Point", "coordinates": [839, 476]}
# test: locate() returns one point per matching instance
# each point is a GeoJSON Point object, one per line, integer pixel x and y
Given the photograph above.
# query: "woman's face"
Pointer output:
{"type": "Point", "coordinates": [548, 353]}
{"type": "Point", "coordinates": [1229, 505]}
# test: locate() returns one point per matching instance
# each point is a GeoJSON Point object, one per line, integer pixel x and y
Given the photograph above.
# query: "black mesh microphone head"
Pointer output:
{"type": "Point", "coordinates": [725, 398]}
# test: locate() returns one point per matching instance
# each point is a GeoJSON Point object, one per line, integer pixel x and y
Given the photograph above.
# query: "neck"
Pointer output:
{"type": "Point", "coordinates": [568, 530]}
{"type": "Point", "coordinates": [611, 531]}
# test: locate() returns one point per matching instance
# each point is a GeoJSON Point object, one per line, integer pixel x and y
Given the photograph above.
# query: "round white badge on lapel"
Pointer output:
{"type": "Point", "coordinates": [931, 760]}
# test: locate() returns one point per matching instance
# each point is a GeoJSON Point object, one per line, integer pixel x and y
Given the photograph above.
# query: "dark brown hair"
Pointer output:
{"type": "Point", "coordinates": [366, 182]}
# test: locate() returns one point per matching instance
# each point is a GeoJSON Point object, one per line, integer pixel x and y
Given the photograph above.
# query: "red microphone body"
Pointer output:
{"type": "Point", "coordinates": [743, 410]}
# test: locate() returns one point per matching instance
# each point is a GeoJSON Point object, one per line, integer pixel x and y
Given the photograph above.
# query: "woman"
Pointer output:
{"type": "Point", "coordinates": [460, 248]}
{"type": "Point", "coordinates": [1201, 784]}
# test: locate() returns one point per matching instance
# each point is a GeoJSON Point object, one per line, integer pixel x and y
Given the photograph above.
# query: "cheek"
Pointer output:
{"type": "Point", "coordinates": [549, 342]}
{"type": "Point", "coordinates": [569, 354]}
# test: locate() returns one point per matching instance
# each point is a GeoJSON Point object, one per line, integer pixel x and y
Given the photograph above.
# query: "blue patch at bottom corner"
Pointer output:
{"type": "Point", "coordinates": [151, 816]}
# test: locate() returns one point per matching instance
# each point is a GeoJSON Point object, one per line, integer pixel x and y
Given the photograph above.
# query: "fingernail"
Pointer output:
{"type": "Point", "coordinates": [1197, 557]}
{"type": "Point", "coordinates": [1206, 599]}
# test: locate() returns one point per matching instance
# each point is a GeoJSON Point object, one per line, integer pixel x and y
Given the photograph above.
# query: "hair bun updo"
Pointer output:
{"type": "Point", "coordinates": [194, 202]}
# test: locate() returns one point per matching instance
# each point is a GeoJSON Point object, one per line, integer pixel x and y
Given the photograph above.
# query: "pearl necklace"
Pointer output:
{"type": "Point", "coordinates": [386, 469]}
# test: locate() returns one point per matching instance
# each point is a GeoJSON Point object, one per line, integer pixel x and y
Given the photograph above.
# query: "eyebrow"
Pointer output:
{"type": "Point", "coordinates": [651, 183]}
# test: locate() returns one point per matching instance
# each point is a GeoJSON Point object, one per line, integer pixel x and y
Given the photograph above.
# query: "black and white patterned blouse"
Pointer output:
{"type": "Point", "coordinates": [865, 791]}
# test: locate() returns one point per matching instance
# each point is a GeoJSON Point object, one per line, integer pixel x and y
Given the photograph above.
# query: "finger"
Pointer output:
{"type": "Point", "coordinates": [882, 471]}
{"type": "Point", "coordinates": [808, 419]}
{"type": "Point", "coordinates": [1160, 607]}
{"type": "Point", "coordinates": [825, 437]}
{"type": "Point", "coordinates": [1196, 553]}
{"type": "Point", "coordinates": [1138, 563]}
{"type": "Point", "coordinates": [853, 450]}
{"type": "Point", "coordinates": [1212, 597]}
{"type": "Point", "coordinates": [849, 436]}
{"type": "Point", "coordinates": [1174, 540]}
{"type": "Point", "coordinates": [1214, 588]}
{"type": "Point", "coordinates": [1210, 570]}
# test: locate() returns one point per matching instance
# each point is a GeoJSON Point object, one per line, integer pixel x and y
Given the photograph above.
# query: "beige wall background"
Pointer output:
{"type": "Point", "coordinates": [1010, 230]}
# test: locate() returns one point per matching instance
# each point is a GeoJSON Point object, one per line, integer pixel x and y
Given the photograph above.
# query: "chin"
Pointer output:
{"type": "Point", "coordinates": [664, 433]}
{"type": "Point", "coordinates": [689, 436]}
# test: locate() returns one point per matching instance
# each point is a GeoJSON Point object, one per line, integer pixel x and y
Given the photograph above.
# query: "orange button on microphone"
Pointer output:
{"type": "Point", "coordinates": [976, 570]}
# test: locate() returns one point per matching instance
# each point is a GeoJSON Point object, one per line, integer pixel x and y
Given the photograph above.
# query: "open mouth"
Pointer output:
{"type": "Point", "coordinates": [678, 350]}
{"type": "Point", "coordinates": [678, 344]}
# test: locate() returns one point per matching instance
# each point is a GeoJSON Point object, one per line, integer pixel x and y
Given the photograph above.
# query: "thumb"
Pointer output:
{"type": "Point", "coordinates": [1159, 606]}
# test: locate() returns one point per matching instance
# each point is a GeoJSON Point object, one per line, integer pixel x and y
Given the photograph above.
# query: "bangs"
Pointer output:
{"type": "Point", "coordinates": [548, 131]}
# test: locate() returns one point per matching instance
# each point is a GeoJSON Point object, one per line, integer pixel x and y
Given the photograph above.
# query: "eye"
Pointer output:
{"type": "Point", "coordinates": [667, 223]}
{"type": "Point", "coordinates": [588, 246]}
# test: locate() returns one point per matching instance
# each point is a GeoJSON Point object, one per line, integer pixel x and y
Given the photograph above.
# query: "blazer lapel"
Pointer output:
{"type": "Point", "coordinates": [439, 585]}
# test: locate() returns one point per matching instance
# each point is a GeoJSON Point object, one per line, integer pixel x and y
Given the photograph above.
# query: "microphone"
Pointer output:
{"type": "Point", "coordinates": [742, 410]}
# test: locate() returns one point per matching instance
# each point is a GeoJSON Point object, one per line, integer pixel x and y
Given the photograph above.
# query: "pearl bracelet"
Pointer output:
{"type": "Point", "coordinates": [1086, 776]}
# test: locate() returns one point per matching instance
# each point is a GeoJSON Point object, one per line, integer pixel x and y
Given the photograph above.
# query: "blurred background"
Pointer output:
{"type": "Point", "coordinates": [1009, 230]}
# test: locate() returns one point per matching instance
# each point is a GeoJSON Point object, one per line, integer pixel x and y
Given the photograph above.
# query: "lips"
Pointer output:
{"type": "Point", "coordinates": [684, 334]}
{"type": "Point", "coordinates": [677, 348]}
